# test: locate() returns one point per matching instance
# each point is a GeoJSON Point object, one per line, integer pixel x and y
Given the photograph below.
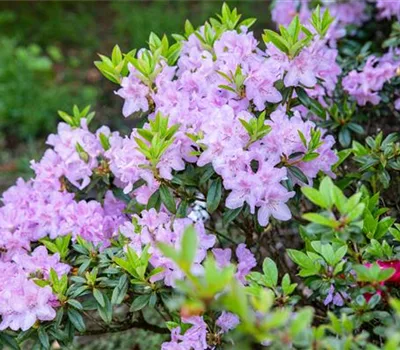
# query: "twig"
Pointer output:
{"type": "Point", "coordinates": [127, 326]}
{"type": "Point", "coordinates": [220, 234]}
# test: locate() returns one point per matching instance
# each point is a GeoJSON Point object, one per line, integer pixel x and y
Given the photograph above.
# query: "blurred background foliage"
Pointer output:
{"type": "Point", "coordinates": [46, 64]}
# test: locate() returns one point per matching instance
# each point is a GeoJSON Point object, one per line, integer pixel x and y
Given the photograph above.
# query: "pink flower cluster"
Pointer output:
{"type": "Point", "coordinates": [31, 213]}
{"type": "Point", "coordinates": [245, 260]}
{"type": "Point", "coordinates": [196, 336]}
{"type": "Point", "coordinates": [365, 85]}
{"type": "Point", "coordinates": [345, 14]}
{"type": "Point", "coordinates": [284, 11]}
{"type": "Point", "coordinates": [41, 207]}
{"type": "Point", "coordinates": [65, 159]}
{"type": "Point", "coordinates": [387, 9]}
{"type": "Point", "coordinates": [22, 301]}
{"type": "Point", "coordinates": [192, 96]}
{"type": "Point", "coordinates": [160, 227]}
{"type": "Point", "coordinates": [134, 93]}
{"type": "Point", "coordinates": [129, 165]}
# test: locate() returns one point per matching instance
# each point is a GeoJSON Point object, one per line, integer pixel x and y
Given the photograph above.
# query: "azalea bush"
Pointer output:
{"type": "Point", "coordinates": [255, 206]}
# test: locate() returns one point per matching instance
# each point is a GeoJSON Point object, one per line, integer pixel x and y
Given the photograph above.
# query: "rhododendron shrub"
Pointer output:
{"type": "Point", "coordinates": [254, 207]}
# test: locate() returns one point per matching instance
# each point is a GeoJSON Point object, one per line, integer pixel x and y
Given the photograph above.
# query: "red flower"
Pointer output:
{"type": "Point", "coordinates": [391, 264]}
{"type": "Point", "coordinates": [395, 278]}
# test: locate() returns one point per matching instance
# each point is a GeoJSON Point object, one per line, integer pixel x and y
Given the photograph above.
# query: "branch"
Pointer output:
{"type": "Point", "coordinates": [127, 326]}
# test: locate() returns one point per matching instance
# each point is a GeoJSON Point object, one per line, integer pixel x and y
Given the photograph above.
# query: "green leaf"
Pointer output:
{"type": "Point", "coordinates": [384, 178]}
{"type": "Point", "coordinates": [339, 200]}
{"type": "Point", "coordinates": [226, 87]}
{"type": "Point", "coordinates": [356, 212]}
{"type": "Point", "coordinates": [230, 215]}
{"type": "Point", "coordinates": [357, 128]}
{"type": "Point", "coordinates": [301, 259]}
{"type": "Point", "coordinates": [344, 137]}
{"type": "Point", "coordinates": [146, 134]}
{"type": "Point", "coordinates": [353, 201]}
{"type": "Point", "coordinates": [310, 156]}
{"type": "Point", "coordinates": [296, 172]}
{"type": "Point", "coordinates": [248, 22]}
{"type": "Point", "coordinates": [294, 28]}
{"type": "Point", "coordinates": [49, 245]}
{"type": "Point", "coordinates": [116, 55]}
{"type": "Point", "coordinates": [208, 172]}
{"type": "Point", "coordinates": [77, 320]}
{"type": "Point", "coordinates": [328, 254]}
{"type": "Point", "coordinates": [383, 227]}
{"type": "Point", "coordinates": [214, 195]}
{"type": "Point", "coordinates": [154, 201]}
{"type": "Point", "coordinates": [316, 108]}
{"type": "Point", "coordinates": [75, 303]}
{"type": "Point", "coordinates": [315, 196]}
{"type": "Point", "coordinates": [270, 272]}
{"type": "Point", "coordinates": [105, 143]}
{"type": "Point", "coordinates": [140, 302]}
{"type": "Point", "coordinates": [322, 220]}
{"type": "Point", "coordinates": [169, 251]}
{"type": "Point", "coordinates": [155, 271]}
{"type": "Point", "coordinates": [167, 199]}
{"type": "Point", "coordinates": [343, 154]}
{"type": "Point", "coordinates": [171, 325]}
{"type": "Point", "coordinates": [287, 287]}
{"type": "Point", "coordinates": [302, 321]}
{"type": "Point", "coordinates": [79, 291]}
{"type": "Point", "coordinates": [303, 96]}
{"type": "Point", "coordinates": [189, 245]}
{"type": "Point", "coordinates": [120, 290]}
{"type": "Point", "coordinates": [182, 209]}
{"type": "Point", "coordinates": [106, 311]}
{"type": "Point", "coordinates": [276, 39]}
{"type": "Point", "coordinates": [326, 188]}
{"type": "Point", "coordinates": [54, 278]}
{"type": "Point", "coordinates": [386, 274]}
{"type": "Point", "coordinates": [237, 301]}
{"type": "Point", "coordinates": [99, 297]}
{"type": "Point", "coordinates": [340, 253]}
{"type": "Point", "coordinates": [9, 341]}
{"type": "Point", "coordinates": [302, 138]}
{"type": "Point", "coordinates": [43, 338]}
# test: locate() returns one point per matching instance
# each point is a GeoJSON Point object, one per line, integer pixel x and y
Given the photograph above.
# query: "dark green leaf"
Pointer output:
{"type": "Point", "coordinates": [296, 172]}
{"type": "Point", "coordinates": [44, 338]}
{"type": "Point", "coordinates": [154, 201]}
{"type": "Point", "coordinates": [344, 137]}
{"type": "Point", "coordinates": [140, 302]}
{"type": "Point", "coordinates": [77, 320]}
{"type": "Point", "coordinates": [208, 172]}
{"type": "Point", "coordinates": [214, 195]}
{"type": "Point", "coordinates": [230, 215]}
{"type": "Point", "coordinates": [167, 199]}
{"type": "Point", "coordinates": [357, 128]}
{"type": "Point", "coordinates": [182, 209]}
{"type": "Point", "coordinates": [120, 290]}
{"type": "Point", "coordinates": [99, 297]}
{"type": "Point", "coordinates": [75, 303]}
{"type": "Point", "coordinates": [106, 311]}
{"type": "Point", "coordinates": [9, 341]}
